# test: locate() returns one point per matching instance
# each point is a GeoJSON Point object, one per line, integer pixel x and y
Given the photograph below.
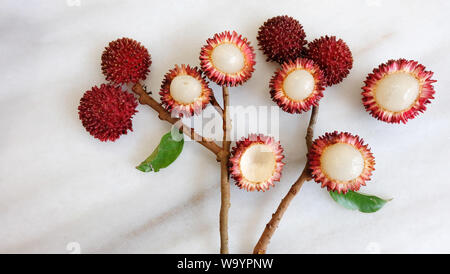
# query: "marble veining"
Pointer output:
{"type": "Point", "coordinates": [62, 191]}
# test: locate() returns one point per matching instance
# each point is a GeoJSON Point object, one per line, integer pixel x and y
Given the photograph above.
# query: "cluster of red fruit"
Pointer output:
{"type": "Point", "coordinates": [395, 92]}
{"type": "Point", "coordinates": [106, 111]}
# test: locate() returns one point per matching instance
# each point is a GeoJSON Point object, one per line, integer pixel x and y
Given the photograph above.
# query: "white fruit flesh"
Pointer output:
{"type": "Point", "coordinates": [258, 163]}
{"type": "Point", "coordinates": [397, 91]}
{"type": "Point", "coordinates": [185, 89]}
{"type": "Point", "coordinates": [342, 162]}
{"type": "Point", "coordinates": [228, 58]}
{"type": "Point", "coordinates": [299, 84]}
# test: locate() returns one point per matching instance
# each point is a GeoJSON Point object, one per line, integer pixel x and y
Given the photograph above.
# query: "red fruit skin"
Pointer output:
{"type": "Point", "coordinates": [106, 112]}
{"type": "Point", "coordinates": [333, 57]}
{"type": "Point", "coordinates": [222, 78]}
{"type": "Point", "coordinates": [238, 151]}
{"type": "Point", "coordinates": [282, 39]}
{"type": "Point", "coordinates": [283, 101]}
{"type": "Point", "coordinates": [125, 61]}
{"type": "Point", "coordinates": [320, 144]}
{"type": "Point", "coordinates": [180, 109]}
{"type": "Point", "coordinates": [393, 66]}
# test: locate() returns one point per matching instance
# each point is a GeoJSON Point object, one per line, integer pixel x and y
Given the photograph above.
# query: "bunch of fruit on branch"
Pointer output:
{"type": "Point", "coordinates": [340, 162]}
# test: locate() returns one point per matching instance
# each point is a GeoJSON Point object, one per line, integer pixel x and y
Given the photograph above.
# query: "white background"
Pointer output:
{"type": "Point", "coordinates": [59, 185]}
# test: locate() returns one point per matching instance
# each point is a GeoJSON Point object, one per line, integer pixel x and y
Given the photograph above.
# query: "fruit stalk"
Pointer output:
{"type": "Point", "coordinates": [272, 225]}
{"type": "Point", "coordinates": [224, 176]}
{"type": "Point", "coordinates": [216, 105]}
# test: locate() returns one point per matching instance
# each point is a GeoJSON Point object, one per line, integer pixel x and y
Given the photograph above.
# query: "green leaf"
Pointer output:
{"type": "Point", "coordinates": [168, 150]}
{"type": "Point", "coordinates": [353, 200]}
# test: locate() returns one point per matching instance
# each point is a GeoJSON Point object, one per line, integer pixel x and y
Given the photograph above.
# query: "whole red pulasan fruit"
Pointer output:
{"type": "Point", "coordinates": [332, 56]}
{"type": "Point", "coordinates": [106, 112]}
{"type": "Point", "coordinates": [125, 61]}
{"type": "Point", "coordinates": [282, 39]}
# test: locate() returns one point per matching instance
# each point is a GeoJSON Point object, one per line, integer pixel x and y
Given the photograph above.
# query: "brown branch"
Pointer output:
{"type": "Point", "coordinates": [310, 131]}
{"type": "Point", "coordinates": [272, 225]}
{"type": "Point", "coordinates": [222, 153]}
{"type": "Point", "coordinates": [224, 176]}
{"type": "Point", "coordinates": [216, 105]}
{"type": "Point", "coordinates": [163, 114]}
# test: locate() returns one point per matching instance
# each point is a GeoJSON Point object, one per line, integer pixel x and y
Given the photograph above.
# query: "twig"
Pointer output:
{"type": "Point", "coordinates": [272, 225]}
{"type": "Point", "coordinates": [224, 176]}
{"type": "Point", "coordinates": [216, 105]}
{"type": "Point", "coordinates": [163, 114]}
{"type": "Point", "coordinates": [310, 131]}
{"type": "Point", "coordinates": [222, 153]}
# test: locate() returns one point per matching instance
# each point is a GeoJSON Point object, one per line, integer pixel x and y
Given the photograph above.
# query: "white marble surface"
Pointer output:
{"type": "Point", "coordinates": [58, 185]}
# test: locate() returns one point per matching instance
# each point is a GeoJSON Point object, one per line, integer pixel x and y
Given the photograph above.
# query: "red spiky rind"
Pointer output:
{"type": "Point", "coordinates": [426, 90]}
{"type": "Point", "coordinates": [318, 147]}
{"type": "Point", "coordinates": [106, 112]}
{"type": "Point", "coordinates": [332, 56]}
{"type": "Point", "coordinates": [125, 61]}
{"type": "Point", "coordinates": [179, 109]}
{"type": "Point", "coordinates": [281, 38]}
{"type": "Point", "coordinates": [222, 78]}
{"type": "Point", "coordinates": [238, 151]}
{"type": "Point", "coordinates": [283, 100]}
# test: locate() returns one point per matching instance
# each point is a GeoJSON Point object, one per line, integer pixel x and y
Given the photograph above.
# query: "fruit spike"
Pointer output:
{"type": "Point", "coordinates": [125, 61]}
{"type": "Point", "coordinates": [106, 112]}
{"type": "Point", "coordinates": [332, 56]}
{"type": "Point", "coordinates": [282, 39]}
